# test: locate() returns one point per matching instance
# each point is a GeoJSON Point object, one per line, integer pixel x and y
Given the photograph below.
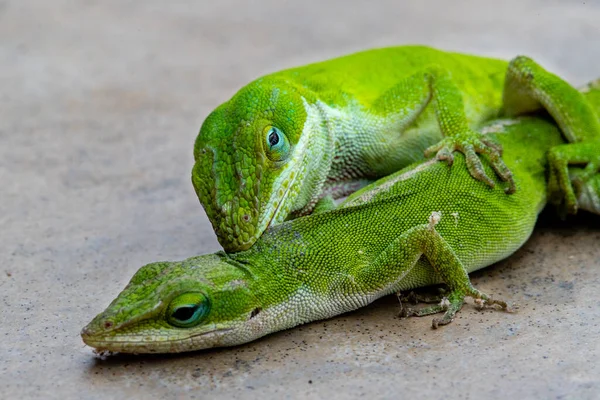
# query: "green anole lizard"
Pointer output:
{"type": "Point", "coordinates": [289, 143]}
{"type": "Point", "coordinates": [426, 224]}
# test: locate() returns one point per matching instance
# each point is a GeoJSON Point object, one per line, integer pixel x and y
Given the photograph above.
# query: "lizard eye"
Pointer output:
{"type": "Point", "coordinates": [187, 310]}
{"type": "Point", "coordinates": [277, 145]}
{"type": "Point", "coordinates": [273, 138]}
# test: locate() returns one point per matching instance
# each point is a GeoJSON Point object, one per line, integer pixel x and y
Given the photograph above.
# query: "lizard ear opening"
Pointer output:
{"type": "Point", "coordinates": [255, 312]}
{"type": "Point", "coordinates": [277, 145]}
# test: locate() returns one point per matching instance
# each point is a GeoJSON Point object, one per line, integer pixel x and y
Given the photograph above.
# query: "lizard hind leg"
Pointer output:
{"type": "Point", "coordinates": [404, 252]}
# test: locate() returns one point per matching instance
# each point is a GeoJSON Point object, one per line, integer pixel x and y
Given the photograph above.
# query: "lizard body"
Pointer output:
{"type": "Point", "coordinates": [426, 224]}
{"type": "Point", "coordinates": [294, 140]}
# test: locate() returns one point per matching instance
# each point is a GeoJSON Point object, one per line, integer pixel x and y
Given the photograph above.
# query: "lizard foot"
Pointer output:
{"type": "Point", "coordinates": [472, 144]}
{"type": "Point", "coordinates": [451, 304]}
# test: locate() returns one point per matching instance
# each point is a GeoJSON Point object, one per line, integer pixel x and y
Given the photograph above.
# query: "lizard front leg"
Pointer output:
{"type": "Point", "coordinates": [433, 85]}
{"type": "Point", "coordinates": [528, 88]}
{"type": "Point", "coordinates": [397, 260]}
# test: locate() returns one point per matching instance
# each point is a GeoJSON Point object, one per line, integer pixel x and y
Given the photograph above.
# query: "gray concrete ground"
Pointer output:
{"type": "Point", "coordinates": [100, 102]}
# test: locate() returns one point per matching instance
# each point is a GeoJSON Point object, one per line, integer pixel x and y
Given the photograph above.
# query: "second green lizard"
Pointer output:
{"type": "Point", "coordinates": [292, 141]}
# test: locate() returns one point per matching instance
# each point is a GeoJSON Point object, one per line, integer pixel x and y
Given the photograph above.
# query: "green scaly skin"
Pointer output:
{"type": "Point", "coordinates": [424, 225]}
{"type": "Point", "coordinates": [295, 140]}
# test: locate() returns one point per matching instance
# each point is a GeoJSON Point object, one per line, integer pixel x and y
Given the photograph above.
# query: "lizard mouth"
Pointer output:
{"type": "Point", "coordinates": [148, 344]}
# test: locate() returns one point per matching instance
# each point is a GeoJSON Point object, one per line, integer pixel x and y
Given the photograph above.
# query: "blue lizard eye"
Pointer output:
{"type": "Point", "coordinates": [187, 310]}
{"type": "Point", "coordinates": [278, 146]}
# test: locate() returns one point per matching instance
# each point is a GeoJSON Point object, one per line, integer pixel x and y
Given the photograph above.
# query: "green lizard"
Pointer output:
{"type": "Point", "coordinates": [426, 224]}
{"type": "Point", "coordinates": [291, 142]}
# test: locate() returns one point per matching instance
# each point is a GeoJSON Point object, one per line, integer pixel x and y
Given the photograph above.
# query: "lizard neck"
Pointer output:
{"type": "Point", "coordinates": [351, 132]}
{"type": "Point", "coordinates": [336, 153]}
{"type": "Point", "coordinates": [318, 158]}
{"type": "Point", "coordinates": [352, 129]}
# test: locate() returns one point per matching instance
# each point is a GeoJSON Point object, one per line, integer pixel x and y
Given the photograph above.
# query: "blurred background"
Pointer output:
{"type": "Point", "coordinates": [100, 103]}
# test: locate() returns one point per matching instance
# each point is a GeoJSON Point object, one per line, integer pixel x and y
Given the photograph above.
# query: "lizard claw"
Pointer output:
{"type": "Point", "coordinates": [444, 154]}
{"type": "Point", "coordinates": [493, 145]}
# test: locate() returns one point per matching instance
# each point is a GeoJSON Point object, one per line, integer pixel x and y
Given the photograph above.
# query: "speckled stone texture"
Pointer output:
{"type": "Point", "coordinates": [100, 102]}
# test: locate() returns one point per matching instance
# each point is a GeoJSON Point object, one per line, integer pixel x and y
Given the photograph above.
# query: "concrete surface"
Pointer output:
{"type": "Point", "coordinates": [100, 102]}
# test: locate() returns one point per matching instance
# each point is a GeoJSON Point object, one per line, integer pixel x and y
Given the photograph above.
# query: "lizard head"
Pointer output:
{"type": "Point", "coordinates": [252, 160]}
{"type": "Point", "coordinates": [202, 302]}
